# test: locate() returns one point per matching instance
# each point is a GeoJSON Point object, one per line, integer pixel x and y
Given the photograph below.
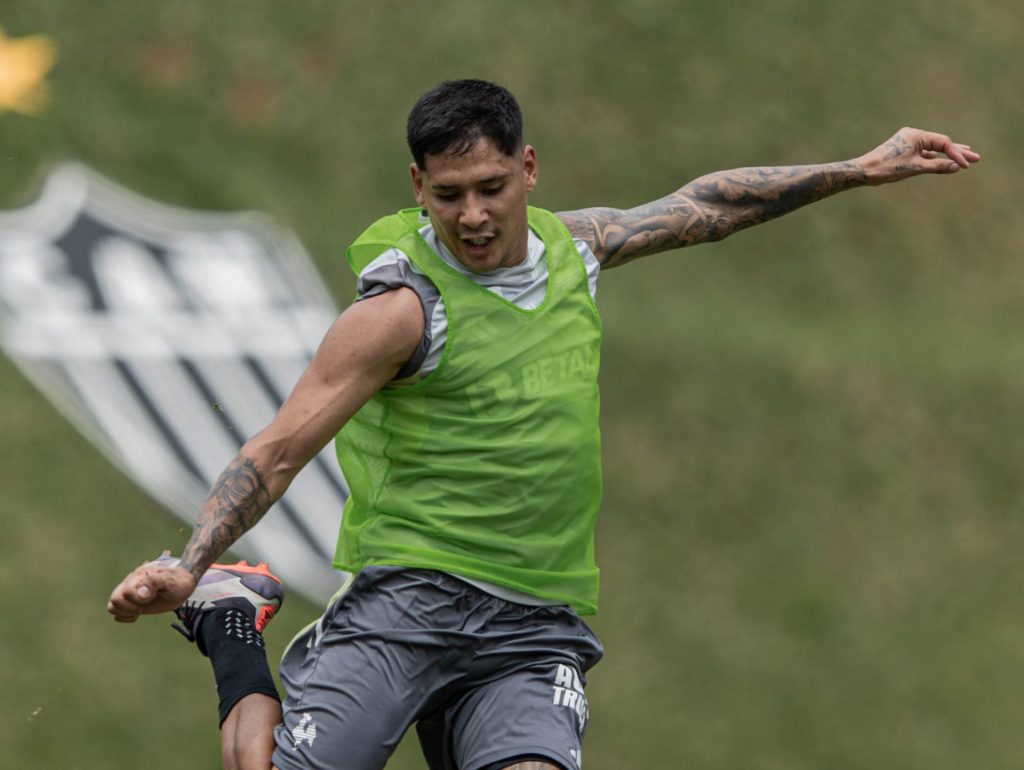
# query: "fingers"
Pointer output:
{"type": "Point", "coordinates": [131, 597]}
{"type": "Point", "coordinates": [930, 144]}
{"type": "Point", "coordinates": [149, 589]}
{"type": "Point", "coordinates": [939, 165]}
{"type": "Point", "coordinates": [968, 153]}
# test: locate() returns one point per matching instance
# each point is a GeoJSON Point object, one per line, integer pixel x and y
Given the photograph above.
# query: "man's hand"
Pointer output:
{"type": "Point", "coordinates": [911, 152]}
{"type": "Point", "coordinates": [150, 589]}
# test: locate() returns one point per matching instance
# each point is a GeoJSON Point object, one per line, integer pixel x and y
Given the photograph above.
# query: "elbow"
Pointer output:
{"type": "Point", "coordinates": [273, 461]}
{"type": "Point", "coordinates": [719, 223]}
{"type": "Point", "coordinates": [707, 215]}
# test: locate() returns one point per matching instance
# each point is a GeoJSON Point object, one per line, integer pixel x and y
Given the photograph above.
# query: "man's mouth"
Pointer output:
{"type": "Point", "coordinates": [477, 245]}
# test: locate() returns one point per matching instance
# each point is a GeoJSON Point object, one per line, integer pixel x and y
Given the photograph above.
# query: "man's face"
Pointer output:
{"type": "Point", "coordinates": [477, 203]}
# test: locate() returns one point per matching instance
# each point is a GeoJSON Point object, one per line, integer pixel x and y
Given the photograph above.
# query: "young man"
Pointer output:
{"type": "Point", "coordinates": [462, 388]}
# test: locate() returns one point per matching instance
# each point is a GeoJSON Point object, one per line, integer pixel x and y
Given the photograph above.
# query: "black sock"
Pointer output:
{"type": "Point", "coordinates": [236, 651]}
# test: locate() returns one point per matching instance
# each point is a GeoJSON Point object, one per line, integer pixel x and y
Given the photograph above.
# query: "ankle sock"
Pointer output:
{"type": "Point", "coordinates": [238, 655]}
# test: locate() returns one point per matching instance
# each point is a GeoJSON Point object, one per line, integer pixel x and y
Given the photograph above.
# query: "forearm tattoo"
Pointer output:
{"type": "Point", "coordinates": [707, 209]}
{"type": "Point", "coordinates": [238, 499]}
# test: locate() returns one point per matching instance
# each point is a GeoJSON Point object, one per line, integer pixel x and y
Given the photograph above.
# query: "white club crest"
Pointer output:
{"type": "Point", "coordinates": [168, 337]}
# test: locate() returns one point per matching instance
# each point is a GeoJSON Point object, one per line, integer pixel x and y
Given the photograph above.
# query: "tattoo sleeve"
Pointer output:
{"type": "Point", "coordinates": [238, 500]}
{"type": "Point", "coordinates": [707, 209]}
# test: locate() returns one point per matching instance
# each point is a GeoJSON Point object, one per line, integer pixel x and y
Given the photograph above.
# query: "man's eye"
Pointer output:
{"type": "Point", "coordinates": [492, 190]}
{"type": "Point", "coordinates": [447, 196]}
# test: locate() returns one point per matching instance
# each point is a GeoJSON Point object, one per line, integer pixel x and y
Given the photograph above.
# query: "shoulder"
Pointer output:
{"type": "Point", "coordinates": [591, 264]}
{"type": "Point", "coordinates": [592, 227]}
{"type": "Point", "coordinates": [579, 225]}
{"type": "Point", "coordinates": [391, 268]}
{"type": "Point", "coordinates": [384, 326]}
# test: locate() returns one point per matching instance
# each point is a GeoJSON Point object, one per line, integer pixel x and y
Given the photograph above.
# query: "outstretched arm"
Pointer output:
{"type": "Point", "coordinates": [363, 350]}
{"type": "Point", "coordinates": [719, 204]}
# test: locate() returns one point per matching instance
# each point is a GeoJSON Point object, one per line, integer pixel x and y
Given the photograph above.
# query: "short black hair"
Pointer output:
{"type": "Point", "coordinates": [454, 115]}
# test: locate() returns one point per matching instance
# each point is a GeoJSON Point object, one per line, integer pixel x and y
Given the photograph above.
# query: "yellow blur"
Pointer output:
{"type": "Point", "coordinates": [24, 63]}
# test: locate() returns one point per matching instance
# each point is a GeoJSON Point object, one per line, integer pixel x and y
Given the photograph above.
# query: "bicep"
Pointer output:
{"type": "Point", "coordinates": [363, 350]}
{"type": "Point", "coordinates": [617, 236]}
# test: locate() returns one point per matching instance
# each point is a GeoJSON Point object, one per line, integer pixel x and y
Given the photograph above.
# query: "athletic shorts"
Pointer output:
{"type": "Point", "coordinates": [486, 680]}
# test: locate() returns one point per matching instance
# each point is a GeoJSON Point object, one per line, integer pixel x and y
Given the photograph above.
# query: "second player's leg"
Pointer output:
{"type": "Point", "coordinates": [247, 735]}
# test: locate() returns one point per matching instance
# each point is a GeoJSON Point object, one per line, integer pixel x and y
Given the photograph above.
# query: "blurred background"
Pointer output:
{"type": "Point", "coordinates": [813, 432]}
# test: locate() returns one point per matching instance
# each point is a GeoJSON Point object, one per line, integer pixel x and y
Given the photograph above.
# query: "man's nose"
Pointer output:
{"type": "Point", "coordinates": [474, 213]}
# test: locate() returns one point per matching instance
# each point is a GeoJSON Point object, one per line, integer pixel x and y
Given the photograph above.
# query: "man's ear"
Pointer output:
{"type": "Point", "coordinates": [530, 167]}
{"type": "Point", "coordinates": [417, 182]}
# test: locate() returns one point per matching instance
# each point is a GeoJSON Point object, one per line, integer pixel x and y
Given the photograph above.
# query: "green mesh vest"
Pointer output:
{"type": "Point", "coordinates": [489, 467]}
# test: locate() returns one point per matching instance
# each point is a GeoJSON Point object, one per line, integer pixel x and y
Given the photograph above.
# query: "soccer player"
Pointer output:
{"type": "Point", "coordinates": [462, 389]}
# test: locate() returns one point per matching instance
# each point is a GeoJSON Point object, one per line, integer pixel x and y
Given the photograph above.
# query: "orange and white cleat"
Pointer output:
{"type": "Point", "coordinates": [254, 594]}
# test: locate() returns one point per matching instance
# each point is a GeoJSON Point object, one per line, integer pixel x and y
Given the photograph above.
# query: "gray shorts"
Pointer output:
{"type": "Point", "coordinates": [486, 680]}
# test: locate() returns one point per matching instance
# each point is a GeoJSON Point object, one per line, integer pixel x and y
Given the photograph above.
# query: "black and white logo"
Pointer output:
{"type": "Point", "coordinates": [168, 337]}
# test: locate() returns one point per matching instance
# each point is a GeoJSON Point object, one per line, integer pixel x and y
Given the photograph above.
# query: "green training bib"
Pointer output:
{"type": "Point", "coordinates": [490, 467]}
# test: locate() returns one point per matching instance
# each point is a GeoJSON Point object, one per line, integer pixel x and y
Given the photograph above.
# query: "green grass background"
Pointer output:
{"type": "Point", "coordinates": [813, 432]}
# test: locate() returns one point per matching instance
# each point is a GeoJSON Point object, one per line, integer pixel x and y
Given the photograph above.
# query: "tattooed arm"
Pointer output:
{"type": "Point", "coordinates": [720, 204]}
{"type": "Point", "coordinates": [238, 500]}
{"type": "Point", "coordinates": [363, 350]}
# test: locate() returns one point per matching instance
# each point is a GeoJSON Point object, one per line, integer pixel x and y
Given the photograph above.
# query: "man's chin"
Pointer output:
{"type": "Point", "coordinates": [480, 263]}
{"type": "Point", "coordinates": [480, 266]}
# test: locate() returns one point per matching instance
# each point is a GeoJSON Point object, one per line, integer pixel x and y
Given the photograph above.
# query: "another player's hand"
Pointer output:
{"type": "Point", "coordinates": [148, 590]}
{"type": "Point", "coordinates": [911, 152]}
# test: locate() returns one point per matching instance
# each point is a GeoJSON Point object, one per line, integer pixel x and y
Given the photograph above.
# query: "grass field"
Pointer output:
{"type": "Point", "coordinates": [813, 432]}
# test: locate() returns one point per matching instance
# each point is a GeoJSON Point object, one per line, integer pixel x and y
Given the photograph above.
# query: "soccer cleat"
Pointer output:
{"type": "Point", "coordinates": [253, 594]}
